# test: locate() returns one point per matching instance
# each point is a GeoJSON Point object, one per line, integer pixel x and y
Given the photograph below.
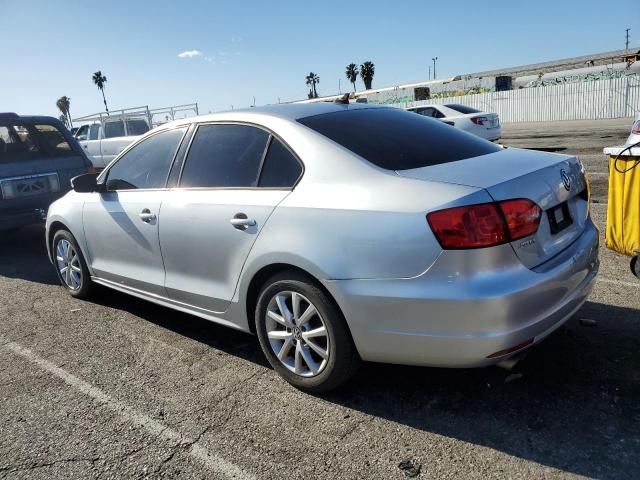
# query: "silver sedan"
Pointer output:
{"type": "Point", "coordinates": [337, 233]}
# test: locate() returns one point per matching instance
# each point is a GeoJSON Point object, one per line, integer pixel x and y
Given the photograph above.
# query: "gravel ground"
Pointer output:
{"type": "Point", "coordinates": [119, 388]}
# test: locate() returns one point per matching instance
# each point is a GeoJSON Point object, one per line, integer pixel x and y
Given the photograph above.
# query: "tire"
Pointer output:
{"type": "Point", "coordinates": [78, 281]}
{"type": "Point", "coordinates": [635, 266]}
{"type": "Point", "coordinates": [302, 365]}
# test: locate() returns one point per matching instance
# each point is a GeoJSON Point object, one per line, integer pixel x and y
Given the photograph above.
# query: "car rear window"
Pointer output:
{"type": "Point", "coordinates": [395, 139]}
{"type": "Point", "coordinates": [461, 108]}
{"type": "Point", "coordinates": [24, 141]}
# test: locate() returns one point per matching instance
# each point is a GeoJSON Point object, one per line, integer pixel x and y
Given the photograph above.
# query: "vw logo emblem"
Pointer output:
{"type": "Point", "coordinates": [566, 181]}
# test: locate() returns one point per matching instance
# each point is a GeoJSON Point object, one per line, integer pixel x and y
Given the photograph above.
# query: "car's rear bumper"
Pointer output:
{"type": "Point", "coordinates": [460, 318]}
{"type": "Point", "coordinates": [11, 220]}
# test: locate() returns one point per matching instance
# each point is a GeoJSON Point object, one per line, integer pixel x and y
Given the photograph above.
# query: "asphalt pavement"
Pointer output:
{"type": "Point", "coordinates": [119, 388]}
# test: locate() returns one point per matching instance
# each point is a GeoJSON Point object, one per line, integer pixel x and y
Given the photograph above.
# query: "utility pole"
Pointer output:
{"type": "Point", "coordinates": [434, 66]}
{"type": "Point", "coordinates": [429, 78]}
{"type": "Point", "coordinates": [339, 86]}
{"type": "Point", "coordinates": [626, 39]}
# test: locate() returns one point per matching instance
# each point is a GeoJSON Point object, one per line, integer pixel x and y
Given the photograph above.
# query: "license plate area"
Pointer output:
{"type": "Point", "coordinates": [26, 186]}
{"type": "Point", "coordinates": [559, 218]}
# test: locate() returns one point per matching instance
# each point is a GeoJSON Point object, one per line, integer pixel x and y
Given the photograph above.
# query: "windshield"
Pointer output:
{"type": "Point", "coordinates": [461, 108]}
{"type": "Point", "coordinates": [395, 139]}
{"type": "Point", "coordinates": [21, 141]}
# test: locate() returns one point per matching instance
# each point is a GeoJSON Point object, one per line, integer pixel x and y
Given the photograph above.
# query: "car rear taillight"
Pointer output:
{"type": "Point", "coordinates": [485, 224]}
{"type": "Point", "coordinates": [635, 130]}
{"type": "Point", "coordinates": [479, 120]}
{"type": "Point", "coordinates": [522, 217]}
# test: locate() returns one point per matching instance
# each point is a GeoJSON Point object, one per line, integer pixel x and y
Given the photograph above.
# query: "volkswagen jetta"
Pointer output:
{"type": "Point", "coordinates": [337, 233]}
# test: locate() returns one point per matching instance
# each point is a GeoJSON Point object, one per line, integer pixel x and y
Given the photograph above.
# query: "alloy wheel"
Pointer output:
{"type": "Point", "coordinates": [297, 333]}
{"type": "Point", "coordinates": [68, 262]}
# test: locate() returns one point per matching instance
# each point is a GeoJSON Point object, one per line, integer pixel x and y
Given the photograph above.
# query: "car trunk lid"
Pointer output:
{"type": "Point", "coordinates": [555, 182]}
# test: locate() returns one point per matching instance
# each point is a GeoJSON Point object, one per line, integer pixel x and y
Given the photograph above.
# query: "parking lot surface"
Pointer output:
{"type": "Point", "coordinates": [119, 388]}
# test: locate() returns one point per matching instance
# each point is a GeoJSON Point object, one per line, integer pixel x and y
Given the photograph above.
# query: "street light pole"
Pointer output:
{"type": "Point", "coordinates": [339, 86]}
{"type": "Point", "coordinates": [429, 78]}
{"type": "Point", "coordinates": [434, 66]}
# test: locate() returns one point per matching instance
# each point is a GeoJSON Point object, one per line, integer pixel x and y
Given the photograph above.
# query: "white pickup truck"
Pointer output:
{"type": "Point", "coordinates": [104, 139]}
{"type": "Point", "coordinates": [104, 135]}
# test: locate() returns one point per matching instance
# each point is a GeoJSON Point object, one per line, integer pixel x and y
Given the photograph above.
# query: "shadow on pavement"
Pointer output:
{"type": "Point", "coordinates": [572, 403]}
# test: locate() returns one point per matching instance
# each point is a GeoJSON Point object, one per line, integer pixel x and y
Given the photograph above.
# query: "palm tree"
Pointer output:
{"type": "Point", "coordinates": [352, 74]}
{"type": "Point", "coordinates": [367, 69]}
{"type": "Point", "coordinates": [99, 80]}
{"type": "Point", "coordinates": [64, 120]}
{"type": "Point", "coordinates": [312, 79]}
{"type": "Point", "coordinates": [64, 104]}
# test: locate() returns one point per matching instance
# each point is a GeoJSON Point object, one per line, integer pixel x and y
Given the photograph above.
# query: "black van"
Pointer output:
{"type": "Point", "coordinates": [38, 158]}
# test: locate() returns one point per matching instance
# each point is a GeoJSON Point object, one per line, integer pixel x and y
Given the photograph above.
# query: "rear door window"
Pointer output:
{"type": "Point", "coordinates": [223, 156]}
{"type": "Point", "coordinates": [395, 139]}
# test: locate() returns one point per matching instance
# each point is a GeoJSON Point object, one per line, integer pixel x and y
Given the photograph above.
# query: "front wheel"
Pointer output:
{"type": "Point", "coordinates": [303, 334]}
{"type": "Point", "coordinates": [70, 264]}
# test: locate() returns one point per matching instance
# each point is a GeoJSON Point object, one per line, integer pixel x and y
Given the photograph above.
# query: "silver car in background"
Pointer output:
{"type": "Point", "coordinates": [337, 233]}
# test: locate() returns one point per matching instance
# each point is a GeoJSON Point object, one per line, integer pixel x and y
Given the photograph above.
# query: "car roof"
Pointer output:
{"type": "Point", "coordinates": [28, 118]}
{"type": "Point", "coordinates": [287, 111]}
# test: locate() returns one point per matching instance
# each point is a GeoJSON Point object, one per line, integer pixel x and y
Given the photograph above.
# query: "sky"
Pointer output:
{"type": "Point", "coordinates": [223, 54]}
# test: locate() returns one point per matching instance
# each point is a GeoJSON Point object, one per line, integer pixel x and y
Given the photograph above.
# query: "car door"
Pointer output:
{"type": "Point", "coordinates": [121, 223]}
{"type": "Point", "coordinates": [211, 221]}
{"type": "Point", "coordinates": [93, 146]}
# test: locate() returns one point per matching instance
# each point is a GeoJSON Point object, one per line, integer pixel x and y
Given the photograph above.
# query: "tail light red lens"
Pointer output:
{"type": "Point", "coordinates": [485, 224]}
{"type": "Point", "coordinates": [522, 217]}
{"type": "Point", "coordinates": [472, 226]}
{"type": "Point", "coordinates": [479, 120]}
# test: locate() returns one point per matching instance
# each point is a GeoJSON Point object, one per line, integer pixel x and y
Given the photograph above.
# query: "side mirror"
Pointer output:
{"type": "Point", "coordinates": [85, 183]}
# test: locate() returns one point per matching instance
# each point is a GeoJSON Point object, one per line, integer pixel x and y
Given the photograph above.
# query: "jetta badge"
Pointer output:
{"type": "Point", "coordinates": [566, 181]}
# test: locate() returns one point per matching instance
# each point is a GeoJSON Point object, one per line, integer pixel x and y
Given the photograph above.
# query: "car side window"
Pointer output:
{"type": "Point", "coordinates": [94, 131]}
{"type": "Point", "coordinates": [114, 129]}
{"type": "Point", "coordinates": [436, 113]}
{"type": "Point", "coordinates": [280, 167]}
{"type": "Point", "coordinates": [82, 133]}
{"type": "Point", "coordinates": [147, 164]}
{"type": "Point", "coordinates": [224, 156]}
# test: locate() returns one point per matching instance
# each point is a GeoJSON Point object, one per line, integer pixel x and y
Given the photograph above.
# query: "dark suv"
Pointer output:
{"type": "Point", "coordinates": [38, 158]}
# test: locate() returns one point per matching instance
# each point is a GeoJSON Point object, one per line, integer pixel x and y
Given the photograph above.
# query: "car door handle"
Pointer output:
{"type": "Point", "coordinates": [241, 222]}
{"type": "Point", "coordinates": [146, 215]}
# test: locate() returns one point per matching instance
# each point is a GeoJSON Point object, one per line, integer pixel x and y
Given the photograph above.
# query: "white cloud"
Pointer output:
{"type": "Point", "coordinates": [236, 39]}
{"type": "Point", "coordinates": [190, 54]}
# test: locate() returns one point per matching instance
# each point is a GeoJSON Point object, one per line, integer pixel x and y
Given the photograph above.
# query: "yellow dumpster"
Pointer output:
{"type": "Point", "coordinates": [623, 209]}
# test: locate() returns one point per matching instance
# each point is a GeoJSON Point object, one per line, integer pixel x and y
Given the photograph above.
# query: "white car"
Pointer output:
{"type": "Point", "coordinates": [103, 141]}
{"type": "Point", "coordinates": [483, 124]}
{"type": "Point", "coordinates": [634, 136]}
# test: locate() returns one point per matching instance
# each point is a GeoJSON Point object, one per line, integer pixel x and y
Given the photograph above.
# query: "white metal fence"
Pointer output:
{"type": "Point", "coordinates": [612, 98]}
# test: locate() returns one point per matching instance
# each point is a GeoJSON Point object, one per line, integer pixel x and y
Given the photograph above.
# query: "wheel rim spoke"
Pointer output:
{"type": "Point", "coordinates": [284, 310]}
{"type": "Point", "coordinates": [286, 347]}
{"type": "Point", "coordinates": [277, 318]}
{"type": "Point", "coordinates": [306, 356]}
{"type": "Point", "coordinates": [306, 316]}
{"type": "Point", "coordinates": [278, 334]}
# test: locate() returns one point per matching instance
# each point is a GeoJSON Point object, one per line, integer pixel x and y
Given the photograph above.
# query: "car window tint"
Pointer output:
{"type": "Point", "coordinates": [53, 142]}
{"type": "Point", "coordinates": [83, 133]}
{"type": "Point", "coordinates": [395, 139]}
{"type": "Point", "coordinates": [147, 164]}
{"type": "Point", "coordinates": [280, 168]}
{"type": "Point", "coordinates": [137, 126]}
{"type": "Point", "coordinates": [224, 156]}
{"type": "Point", "coordinates": [114, 129]}
{"type": "Point", "coordinates": [435, 113]}
{"type": "Point", "coordinates": [94, 131]}
{"type": "Point", "coordinates": [461, 108]}
{"type": "Point", "coordinates": [19, 142]}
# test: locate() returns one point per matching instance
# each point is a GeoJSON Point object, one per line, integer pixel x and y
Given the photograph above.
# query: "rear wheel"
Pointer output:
{"type": "Point", "coordinates": [635, 266]}
{"type": "Point", "coordinates": [303, 334]}
{"type": "Point", "coordinates": [70, 264]}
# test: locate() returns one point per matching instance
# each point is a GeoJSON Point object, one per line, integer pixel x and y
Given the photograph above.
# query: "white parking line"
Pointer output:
{"type": "Point", "coordinates": [212, 461]}
{"type": "Point", "coordinates": [617, 282]}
